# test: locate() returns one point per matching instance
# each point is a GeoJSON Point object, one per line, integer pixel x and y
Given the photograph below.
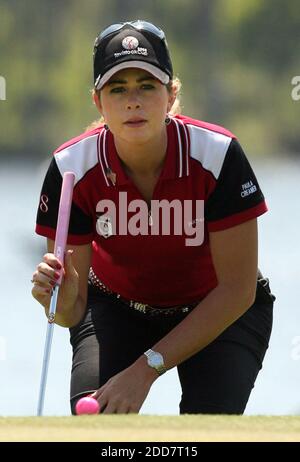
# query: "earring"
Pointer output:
{"type": "Point", "coordinates": [167, 120]}
{"type": "Point", "coordinates": [106, 127]}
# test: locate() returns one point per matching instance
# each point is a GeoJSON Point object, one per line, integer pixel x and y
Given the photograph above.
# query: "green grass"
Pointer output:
{"type": "Point", "coordinates": [151, 428]}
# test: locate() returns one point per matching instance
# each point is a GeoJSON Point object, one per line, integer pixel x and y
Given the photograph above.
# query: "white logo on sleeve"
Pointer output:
{"type": "Point", "coordinates": [248, 188]}
{"type": "Point", "coordinates": [43, 203]}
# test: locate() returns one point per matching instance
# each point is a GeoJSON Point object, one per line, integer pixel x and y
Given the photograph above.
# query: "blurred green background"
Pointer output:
{"type": "Point", "coordinates": [236, 60]}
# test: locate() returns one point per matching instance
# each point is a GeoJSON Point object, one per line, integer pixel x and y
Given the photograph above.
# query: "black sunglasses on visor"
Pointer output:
{"type": "Point", "coordinates": [138, 25]}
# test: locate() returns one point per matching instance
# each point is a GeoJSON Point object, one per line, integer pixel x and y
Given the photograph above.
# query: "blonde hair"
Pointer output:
{"type": "Point", "coordinates": [173, 86]}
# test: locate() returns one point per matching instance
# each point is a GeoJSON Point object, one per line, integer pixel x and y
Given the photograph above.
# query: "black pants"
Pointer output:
{"type": "Point", "coordinates": [216, 380]}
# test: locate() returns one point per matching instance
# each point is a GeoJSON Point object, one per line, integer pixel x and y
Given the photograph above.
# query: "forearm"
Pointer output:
{"type": "Point", "coordinates": [69, 316]}
{"type": "Point", "coordinates": [208, 320]}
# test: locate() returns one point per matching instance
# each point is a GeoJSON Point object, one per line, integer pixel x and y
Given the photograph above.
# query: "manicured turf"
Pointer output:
{"type": "Point", "coordinates": [151, 428]}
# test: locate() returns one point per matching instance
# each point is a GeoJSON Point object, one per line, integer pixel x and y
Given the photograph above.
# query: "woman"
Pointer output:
{"type": "Point", "coordinates": [161, 267]}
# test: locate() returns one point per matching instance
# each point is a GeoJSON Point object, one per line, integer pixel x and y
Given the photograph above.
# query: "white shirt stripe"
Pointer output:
{"type": "Point", "coordinates": [209, 148]}
{"type": "Point", "coordinates": [186, 144]}
{"type": "Point", "coordinates": [179, 148]}
{"type": "Point", "coordinates": [78, 158]}
{"type": "Point", "coordinates": [100, 151]}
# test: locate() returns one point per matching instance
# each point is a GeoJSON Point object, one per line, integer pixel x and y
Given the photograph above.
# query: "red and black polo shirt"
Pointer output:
{"type": "Point", "coordinates": [204, 162]}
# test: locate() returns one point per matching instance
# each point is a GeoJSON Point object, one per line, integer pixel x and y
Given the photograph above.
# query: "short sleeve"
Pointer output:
{"type": "Point", "coordinates": [81, 224]}
{"type": "Point", "coordinates": [237, 196]}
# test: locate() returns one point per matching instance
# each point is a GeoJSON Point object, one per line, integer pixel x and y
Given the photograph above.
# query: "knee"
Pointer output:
{"type": "Point", "coordinates": [212, 408]}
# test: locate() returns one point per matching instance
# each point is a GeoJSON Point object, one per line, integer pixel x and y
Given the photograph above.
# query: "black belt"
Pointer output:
{"type": "Point", "coordinates": [138, 306]}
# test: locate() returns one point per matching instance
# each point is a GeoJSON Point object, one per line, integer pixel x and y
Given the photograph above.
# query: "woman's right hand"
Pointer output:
{"type": "Point", "coordinates": [45, 277]}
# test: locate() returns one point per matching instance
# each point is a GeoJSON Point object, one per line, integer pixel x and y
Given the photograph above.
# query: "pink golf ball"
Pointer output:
{"type": "Point", "coordinates": [87, 405]}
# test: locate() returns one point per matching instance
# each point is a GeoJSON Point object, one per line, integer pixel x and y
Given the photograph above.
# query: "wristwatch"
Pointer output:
{"type": "Point", "coordinates": [155, 360]}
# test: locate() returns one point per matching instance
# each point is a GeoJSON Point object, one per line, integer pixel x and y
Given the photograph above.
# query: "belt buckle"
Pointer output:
{"type": "Point", "coordinates": [139, 306]}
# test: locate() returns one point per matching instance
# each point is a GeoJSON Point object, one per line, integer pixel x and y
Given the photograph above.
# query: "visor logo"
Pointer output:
{"type": "Point", "coordinates": [130, 43]}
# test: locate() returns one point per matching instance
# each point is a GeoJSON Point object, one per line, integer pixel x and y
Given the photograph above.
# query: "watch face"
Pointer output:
{"type": "Point", "coordinates": [156, 360]}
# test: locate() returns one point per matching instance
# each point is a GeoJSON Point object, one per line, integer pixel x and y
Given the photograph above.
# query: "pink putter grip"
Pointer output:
{"type": "Point", "coordinates": [63, 217]}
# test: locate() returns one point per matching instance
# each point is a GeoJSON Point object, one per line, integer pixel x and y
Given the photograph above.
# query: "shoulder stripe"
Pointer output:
{"type": "Point", "coordinates": [79, 157]}
{"type": "Point", "coordinates": [186, 146]}
{"type": "Point", "coordinates": [208, 147]}
{"type": "Point", "coordinates": [183, 147]}
{"type": "Point", "coordinates": [105, 155]}
{"type": "Point", "coordinates": [187, 149]}
{"type": "Point", "coordinates": [179, 148]}
{"type": "Point", "coordinates": [101, 156]}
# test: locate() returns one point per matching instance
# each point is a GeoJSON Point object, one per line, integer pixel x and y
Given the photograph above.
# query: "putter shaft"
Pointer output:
{"type": "Point", "coordinates": [48, 342]}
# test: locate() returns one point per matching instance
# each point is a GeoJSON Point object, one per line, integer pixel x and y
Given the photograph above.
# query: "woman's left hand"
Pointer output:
{"type": "Point", "coordinates": [125, 392]}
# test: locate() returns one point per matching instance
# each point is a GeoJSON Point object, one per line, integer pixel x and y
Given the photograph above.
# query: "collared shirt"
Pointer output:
{"type": "Point", "coordinates": [150, 254]}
